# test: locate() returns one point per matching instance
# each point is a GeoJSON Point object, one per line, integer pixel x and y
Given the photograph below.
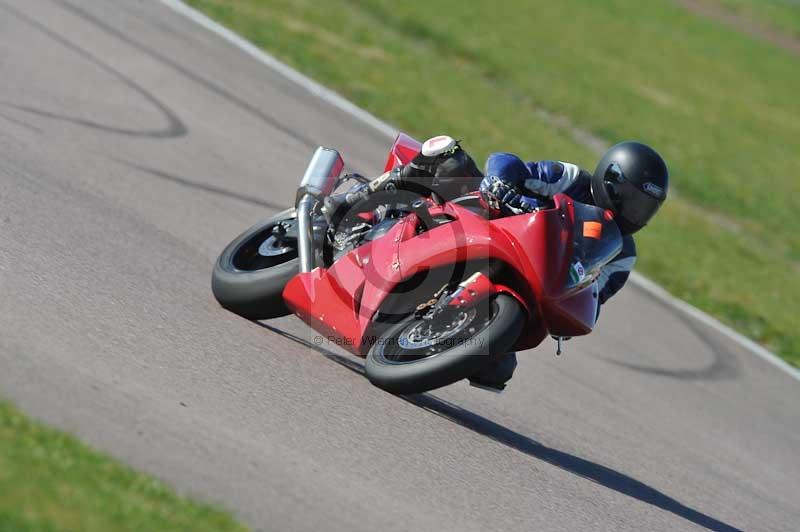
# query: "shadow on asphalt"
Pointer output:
{"type": "Point", "coordinates": [607, 477]}
{"type": "Point", "coordinates": [174, 178]}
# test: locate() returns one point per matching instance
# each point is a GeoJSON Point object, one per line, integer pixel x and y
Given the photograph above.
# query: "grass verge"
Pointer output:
{"type": "Point", "coordinates": [520, 75]}
{"type": "Point", "coordinates": [51, 482]}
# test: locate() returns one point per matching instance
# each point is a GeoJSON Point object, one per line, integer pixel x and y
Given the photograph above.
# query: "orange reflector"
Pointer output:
{"type": "Point", "coordinates": [592, 230]}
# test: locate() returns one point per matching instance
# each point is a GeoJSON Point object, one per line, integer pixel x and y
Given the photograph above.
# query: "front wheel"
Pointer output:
{"type": "Point", "coordinates": [417, 354]}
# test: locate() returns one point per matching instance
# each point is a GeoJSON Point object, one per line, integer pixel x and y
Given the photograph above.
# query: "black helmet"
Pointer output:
{"type": "Point", "coordinates": [631, 180]}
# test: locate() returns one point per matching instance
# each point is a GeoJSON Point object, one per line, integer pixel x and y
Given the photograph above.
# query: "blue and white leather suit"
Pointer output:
{"type": "Point", "coordinates": [548, 178]}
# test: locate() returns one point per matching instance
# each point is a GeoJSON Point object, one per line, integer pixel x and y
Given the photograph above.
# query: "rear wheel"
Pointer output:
{"type": "Point", "coordinates": [421, 354]}
{"type": "Point", "coordinates": [251, 271]}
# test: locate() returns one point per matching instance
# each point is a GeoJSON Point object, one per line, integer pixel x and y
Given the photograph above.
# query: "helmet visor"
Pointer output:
{"type": "Point", "coordinates": [634, 206]}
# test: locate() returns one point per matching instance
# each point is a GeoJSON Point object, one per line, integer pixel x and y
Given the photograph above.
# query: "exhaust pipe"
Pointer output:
{"type": "Point", "coordinates": [318, 182]}
{"type": "Point", "coordinates": [305, 236]}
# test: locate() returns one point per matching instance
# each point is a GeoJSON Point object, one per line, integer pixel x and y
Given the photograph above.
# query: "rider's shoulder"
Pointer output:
{"type": "Point", "coordinates": [553, 171]}
{"type": "Point", "coordinates": [504, 156]}
{"type": "Point", "coordinates": [506, 165]}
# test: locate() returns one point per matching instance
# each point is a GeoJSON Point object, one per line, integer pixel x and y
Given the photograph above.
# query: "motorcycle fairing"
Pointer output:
{"type": "Point", "coordinates": [341, 302]}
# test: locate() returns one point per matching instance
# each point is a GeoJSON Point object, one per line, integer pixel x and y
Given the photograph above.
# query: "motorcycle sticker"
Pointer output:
{"type": "Point", "coordinates": [577, 273]}
{"type": "Point", "coordinates": [593, 230]}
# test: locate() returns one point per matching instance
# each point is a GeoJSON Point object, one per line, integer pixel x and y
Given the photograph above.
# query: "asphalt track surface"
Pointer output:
{"type": "Point", "coordinates": [134, 145]}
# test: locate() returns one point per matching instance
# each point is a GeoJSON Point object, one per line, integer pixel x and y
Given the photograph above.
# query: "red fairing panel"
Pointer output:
{"type": "Point", "coordinates": [573, 315]}
{"type": "Point", "coordinates": [545, 244]}
{"type": "Point", "coordinates": [537, 246]}
{"type": "Point", "coordinates": [570, 312]}
{"type": "Point", "coordinates": [340, 302]}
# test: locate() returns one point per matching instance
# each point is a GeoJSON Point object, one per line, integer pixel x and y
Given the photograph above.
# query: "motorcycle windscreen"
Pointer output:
{"type": "Point", "coordinates": [596, 239]}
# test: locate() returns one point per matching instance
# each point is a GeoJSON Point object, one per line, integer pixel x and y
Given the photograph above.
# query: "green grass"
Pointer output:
{"type": "Point", "coordinates": [51, 482]}
{"type": "Point", "coordinates": [721, 106]}
{"type": "Point", "coordinates": [781, 15]}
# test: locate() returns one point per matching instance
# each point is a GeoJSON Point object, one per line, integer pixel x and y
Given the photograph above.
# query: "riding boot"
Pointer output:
{"type": "Point", "coordinates": [496, 374]}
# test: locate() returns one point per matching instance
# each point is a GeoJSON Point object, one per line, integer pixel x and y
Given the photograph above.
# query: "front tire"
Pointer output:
{"type": "Point", "coordinates": [250, 273]}
{"type": "Point", "coordinates": [400, 363]}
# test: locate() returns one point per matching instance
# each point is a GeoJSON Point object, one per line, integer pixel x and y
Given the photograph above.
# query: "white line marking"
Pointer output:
{"type": "Point", "coordinates": [346, 106]}
{"type": "Point", "coordinates": [284, 70]}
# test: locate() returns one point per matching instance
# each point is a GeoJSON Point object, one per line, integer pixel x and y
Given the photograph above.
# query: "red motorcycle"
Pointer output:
{"type": "Point", "coordinates": [427, 290]}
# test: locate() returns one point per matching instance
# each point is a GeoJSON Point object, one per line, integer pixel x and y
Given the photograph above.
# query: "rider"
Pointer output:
{"type": "Point", "coordinates": [630, 180]}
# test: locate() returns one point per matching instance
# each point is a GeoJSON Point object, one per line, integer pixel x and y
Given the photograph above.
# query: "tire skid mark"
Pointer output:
{"type": "Point", "coordinates": [175, 127]}
{"type": "Point", "coordinates": [181, 69]}
{"type": "Point", "coordinates": [21, 123]}
{"type": "Point", "coordinates": [723, 365]}
{"type": "Point", "coordinates": [166, 176]}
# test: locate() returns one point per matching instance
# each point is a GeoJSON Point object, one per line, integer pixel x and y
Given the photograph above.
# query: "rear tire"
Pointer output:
{"type": "Point", "coordinates": [250, 284]}
{"type": "Point", "coordinates": [387, 370]}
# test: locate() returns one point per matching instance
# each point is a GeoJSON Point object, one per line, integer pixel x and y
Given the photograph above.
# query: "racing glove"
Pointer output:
{"type": "Point", "coordinates": [502, 196]}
